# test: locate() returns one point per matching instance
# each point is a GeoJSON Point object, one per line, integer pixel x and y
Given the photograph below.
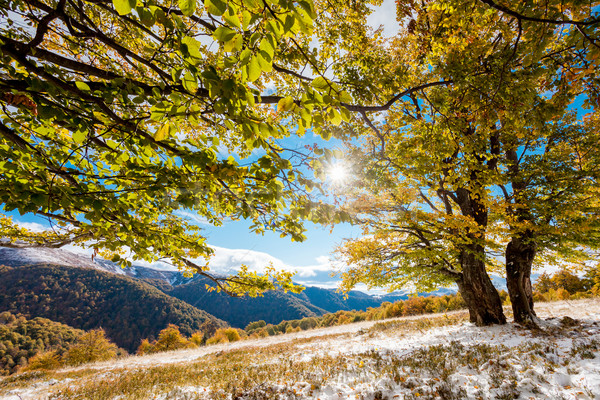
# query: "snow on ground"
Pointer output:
{"type": "Point", "coordinates": [381, 360]}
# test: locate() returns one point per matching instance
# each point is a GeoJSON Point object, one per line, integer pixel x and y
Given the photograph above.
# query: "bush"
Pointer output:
{"type": "Point", "coordinates": [260, 333]}
{"type": "Point", "coordinates": [90, 347]}
{"type": "Point", "coordinates": [197, 338]}
{"type": "Point", "coordinates": [226, 335]}
{"type": "Point", "coordinates": [44, 361]}
{"type": "Point", "coordinates": [255, 325]}
{"type": "Point", "coordinates": [171, 339]}
{"type": "Point", "coordinates": [145, 348]}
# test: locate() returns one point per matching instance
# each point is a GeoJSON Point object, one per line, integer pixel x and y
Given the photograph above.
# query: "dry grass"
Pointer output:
{"type": "Point", "coordinates": [256, 370]}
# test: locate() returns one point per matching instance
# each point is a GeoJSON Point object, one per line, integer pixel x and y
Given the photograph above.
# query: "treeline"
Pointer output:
{"type": "Point", "coordinates": [412, 306]}
{"type": "Point", "coordinates": [38, 343]}
{"type": "Point", "coordinates": [565, 285]}
{"type": "Point", "coordinates": [127, 309]}
{"type": "Point", "coordinates": [171, 338]}
{"type": "Point", "coordinates": [273, 306]}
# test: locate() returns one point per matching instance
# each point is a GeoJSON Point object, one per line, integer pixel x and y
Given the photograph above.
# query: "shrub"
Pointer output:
{"type": "Point", "coordinates": [197, 338]}
{"type": "Point", "coordinates": [259, 333]}
{"type": "Point", "coordinates": [253, 326]}
{"type": "Point", "coordinates": [170, 339]}
{"type": "Point", "coordinates": [90, 347]}
{"type": "Point", "coordinates": [44, 361]}
{"type": "Point", "coordinates": [415, 305]}
{"type": "Point", "coordinates": [225, 335]}
{"type": "Point", "coordinates": [145, 348]}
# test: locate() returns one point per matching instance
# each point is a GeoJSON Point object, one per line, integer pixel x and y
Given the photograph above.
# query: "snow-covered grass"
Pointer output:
{"type": "Point", "coordinates": [426, 357]}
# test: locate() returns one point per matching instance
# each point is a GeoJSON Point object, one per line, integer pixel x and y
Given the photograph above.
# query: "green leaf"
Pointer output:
{"type": "Point", "coordinates": [189, 82]}
{"type": "Point", "coordinates": [215, 7]}
{"type": "Point", "coordinates": [307, 6]}
{"type": "Point", "coordinates": [162, 132]}
{"type": "Point", "coordinates": [253, 69]}
{"type": "Point", "coordinates": [285, 104]}
{"type": "Point", "coordinates": [235, 44]}
{"type": "Point", "coordinates": [276, 28]}
{"type": "Point", "coordinates": [146, 16]}
{"type": "Point", "coordinates": [245, 56]}
{"type": "Point", "coordinates": [124, 7]}
{"type": "Point", "coordinates": [345, 97]}
{"type": "Point", "coordinates": [224, 34]}
{"type": "Point", "coordinates": [289, 23]}
{"type": "Point", "coordinates": [79, 136]}
{"type": "Point", "coordinates": [246, 18]}
{"type": "Point", "coordinates": [252, 3]}
{"type": "Point", "coordinates": [82, 86]}
{"type": "Point", "coordinates": [192, 46]}
{"type": "Point", "coordinates": [325, 134]}
{"type": "Point", "coordinates": [265, 62]}
{"type": "Point", "coordinates": [267, 47]}
{"type": "Point", "coordinates": [335, 117]}
{"type": "Point", "coordinates": [187, 7]}
{"type": "Point", "coordinates": [232, 19]}
{"type": "Point", "coordinates": [320, 83]}
{"type": "Point", "coordinates": [345, 114]}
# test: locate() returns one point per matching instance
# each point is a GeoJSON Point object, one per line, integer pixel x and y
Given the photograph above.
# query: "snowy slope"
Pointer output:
{"type": "Point", "coordinates": [406, 358]}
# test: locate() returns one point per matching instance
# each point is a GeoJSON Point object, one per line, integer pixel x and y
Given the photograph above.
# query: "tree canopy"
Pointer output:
{"type": "Point", "coordinates": [116, 116]}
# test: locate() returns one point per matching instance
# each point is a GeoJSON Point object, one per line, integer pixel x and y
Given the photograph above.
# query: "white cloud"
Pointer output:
{"type": "Point", "coordinates": [385, 15]}
{"type": "Point", "coordinates": [227, 261]}
{"type": "Point", "coordinates": [32, 226]}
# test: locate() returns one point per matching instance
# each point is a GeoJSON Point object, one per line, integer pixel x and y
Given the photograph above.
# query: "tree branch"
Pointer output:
{"type": "Point", "coordinates": [520, 16]}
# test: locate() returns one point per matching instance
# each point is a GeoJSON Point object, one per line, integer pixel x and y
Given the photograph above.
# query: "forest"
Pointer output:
{"type": "Point", "coordinates": [86, 299]}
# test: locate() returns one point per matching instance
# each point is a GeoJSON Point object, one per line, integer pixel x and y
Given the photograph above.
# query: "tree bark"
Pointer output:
{"type": "Point", "coordinates": [476, 288]}
{"type": "Point", "coordinates": [520, 253]}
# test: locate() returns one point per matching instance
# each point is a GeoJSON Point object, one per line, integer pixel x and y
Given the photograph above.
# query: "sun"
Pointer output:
{"type": "Point", "coordinates": [338, 173]}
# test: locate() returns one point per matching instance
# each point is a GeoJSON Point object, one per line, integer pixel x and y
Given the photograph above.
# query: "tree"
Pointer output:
{"type": "Point", "coordinates": [92, 346]}
{"type": "Point", "coordinates": [435, 164]}
{"type": "Point", "coordinates": [118, 117]}
{"type": "Point", "coordinates": [550, 202]}
{"type": "Point", "coordinates": [170, 339]}
{"type": "Point", "coordinates": [552, 165]}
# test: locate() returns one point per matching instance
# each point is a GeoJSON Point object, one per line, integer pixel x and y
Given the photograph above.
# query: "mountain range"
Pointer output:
{"type": "Point", "coordinates": [137, 302]}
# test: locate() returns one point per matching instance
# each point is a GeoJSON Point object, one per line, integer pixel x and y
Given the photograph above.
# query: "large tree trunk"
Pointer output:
{"type": "Point", "coordinates": [520, 252]}
{"type": "Point", "coordinates": [476, 288]}
{"type": "Point", "coordinates": [521, 249]}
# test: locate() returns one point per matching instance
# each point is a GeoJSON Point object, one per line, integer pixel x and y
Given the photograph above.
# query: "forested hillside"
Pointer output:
{"type": "Point", "coordinates": [21, 339]}
{"type": "Point", "coordinates": [127, 309]}
{"type": "Point", "coordinates": [273, 307]}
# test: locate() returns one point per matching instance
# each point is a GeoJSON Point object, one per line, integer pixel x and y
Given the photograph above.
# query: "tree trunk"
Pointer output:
{"type": "Point", "coordinates": [476, 288]}
{"type": "Point", "coordinates": [520, 252]}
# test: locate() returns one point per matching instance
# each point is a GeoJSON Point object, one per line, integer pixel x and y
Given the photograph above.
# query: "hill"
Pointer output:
{"type": "Point", "coordinates": [427, 357]}
{"type": "Point", "coordinates": [273, 307]}
{"type": "Point", "coordinates": [129, 310]}
{"type": "Point", "coordinates": [21, 339]}
{"type": "Point", "coordinates": [332, 301]}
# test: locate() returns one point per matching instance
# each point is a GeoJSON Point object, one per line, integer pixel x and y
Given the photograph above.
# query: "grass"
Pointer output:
{"type": "Point", "coordinates": [278, 372]}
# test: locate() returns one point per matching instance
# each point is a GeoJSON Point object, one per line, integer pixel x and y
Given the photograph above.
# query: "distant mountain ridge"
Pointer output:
{"type": "Point", "coordinates": [273, 307]}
